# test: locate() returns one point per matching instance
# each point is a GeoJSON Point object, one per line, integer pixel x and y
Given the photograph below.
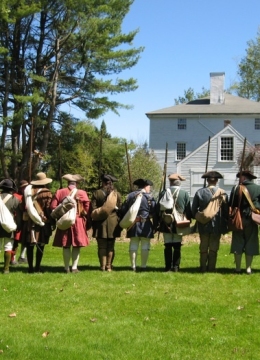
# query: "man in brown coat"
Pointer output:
{"type": "Point", "coordinates": [38, 232]}
{"type": "Point", "coordinates": [106, 229]}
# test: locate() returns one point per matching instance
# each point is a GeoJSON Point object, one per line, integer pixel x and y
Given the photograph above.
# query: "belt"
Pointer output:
{"type": "Point", "coordinates": [142, 220]}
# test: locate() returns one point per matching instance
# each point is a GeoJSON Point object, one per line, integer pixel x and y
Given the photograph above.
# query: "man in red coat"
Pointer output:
{"type": "Point", "coordinates": [72, 239]}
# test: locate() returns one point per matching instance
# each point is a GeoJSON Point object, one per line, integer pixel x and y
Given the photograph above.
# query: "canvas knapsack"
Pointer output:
{"type": "Point", "coordinates": [67, 204]}
{"type": "Point", "coordinates": [132, 212]}
{"type": "Point", "coordinates": [212, 209]}
{"type": "Point", "coordinates": [106, 209]}
{"type": "Point", "coordinates": [6, 218]}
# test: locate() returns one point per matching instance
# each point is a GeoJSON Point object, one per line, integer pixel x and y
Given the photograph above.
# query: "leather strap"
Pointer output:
{"type": "Point", "coordinates": [248, 197]}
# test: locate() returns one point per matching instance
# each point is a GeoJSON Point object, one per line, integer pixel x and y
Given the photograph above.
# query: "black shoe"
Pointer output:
{"type": "Point", "coordinates": [176, 269]}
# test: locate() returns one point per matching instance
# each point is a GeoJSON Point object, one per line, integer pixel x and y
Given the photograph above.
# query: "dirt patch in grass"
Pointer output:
{"type": "Point", "coordinates": [192, 238]}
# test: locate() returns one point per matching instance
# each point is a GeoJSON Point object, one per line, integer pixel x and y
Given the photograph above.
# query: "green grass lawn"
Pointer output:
{"type": "Point", "coordinates": [124, 315]}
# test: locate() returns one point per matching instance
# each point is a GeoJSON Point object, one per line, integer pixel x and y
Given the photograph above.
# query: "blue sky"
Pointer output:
{"type": "Point", "coordinates": [184, 40]}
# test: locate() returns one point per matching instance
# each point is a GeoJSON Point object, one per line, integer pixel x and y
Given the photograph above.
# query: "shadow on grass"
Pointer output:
{"type": "Point", "coordinates": [85, 268]}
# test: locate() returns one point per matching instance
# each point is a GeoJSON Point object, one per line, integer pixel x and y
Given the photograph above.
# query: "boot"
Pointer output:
{"type": "Point", "coordinates": [212, 260]}
{"type": "Point", "coordinates": [7, 258]}
{"type": "Point", "coordinates": [238, 258]}
{"type": "Point", "coordinates": [102, 255]}
{"type": "Point", "coordinates": [168, 256]}
{"type": "Point", "coordinates": [176, 258]}
{"type": "Point", "coordinates": [203, 262]}
{"type": "Point", "coordinates": [30, 249]}
{"type": "Point", "coordinates": [110, 257]}
{"type": "Point", "coordinates": [39, 255]}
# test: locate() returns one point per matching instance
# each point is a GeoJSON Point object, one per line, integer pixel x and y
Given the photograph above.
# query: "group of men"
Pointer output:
{"type": "Point", "coordinates": [33, 206]}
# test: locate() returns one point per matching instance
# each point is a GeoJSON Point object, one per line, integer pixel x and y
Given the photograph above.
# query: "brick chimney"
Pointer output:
{"type": "Point", "coordinates": [217, 80]}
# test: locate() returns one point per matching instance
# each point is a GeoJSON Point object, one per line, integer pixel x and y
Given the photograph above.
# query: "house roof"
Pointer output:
{"type": "Point", "coordinates": [232, 105]}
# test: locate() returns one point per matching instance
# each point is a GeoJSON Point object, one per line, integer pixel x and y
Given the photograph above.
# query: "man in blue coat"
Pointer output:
{"type": "Point", "coordinates": [143, 228]}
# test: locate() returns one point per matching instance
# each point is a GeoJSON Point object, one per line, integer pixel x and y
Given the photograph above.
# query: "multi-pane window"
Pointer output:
{"type": "Point", "coordinates": [181, 151]}
{"type": "Point", "coordinates": [182, 124]}
{"type": "Point", "coordinates": [227, 149]}
{"type": "Point", "coordinates": [257, 124]}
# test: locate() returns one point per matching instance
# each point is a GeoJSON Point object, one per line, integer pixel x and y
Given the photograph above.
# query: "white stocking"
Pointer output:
{"type": "Point", "coordinates": [75, 257]}
{"type": "Point", "coordinates": [66, 258]}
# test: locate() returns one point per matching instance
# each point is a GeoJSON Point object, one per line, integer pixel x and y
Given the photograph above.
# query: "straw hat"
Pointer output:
{"type": "Point", "coordinates": [74, 178]}
{"type": "Point", "coordinates": [176, 177]}
{"type": "Point", "coordinates": [41, 179]}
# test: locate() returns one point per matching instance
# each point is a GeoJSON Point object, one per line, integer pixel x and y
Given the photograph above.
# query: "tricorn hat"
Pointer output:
{"type": "Point", "coordinates": [212, 175]}
{"type": "Point", "coordinates": [107, 177]}
{"type": "Point", "coordinates": [176, 177]}
{"type": "Point", "coordinates": [246, 173]}
{"type": "Point", "coordinates": [142, 182]}
{"type": "Point", "coordinates": [74, 178]}
{"type": "Point", "coordinates": [41, 179]}
{"type": "Point", "coordinates": [8, 184]}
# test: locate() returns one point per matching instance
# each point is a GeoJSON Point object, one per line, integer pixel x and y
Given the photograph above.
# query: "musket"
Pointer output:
{"type": "Point", "coordinates": [128, 167]}
{"type": "Point", "coordinates": [100, 157]}
{"type": "Point", "coordinates": [163, 182]}
{"type": "Point", "coordinates": [195, 226]}
{"type": "Point", "coordinates": [207, 160]}
{"type": "Point", "coordinates": [242, 161]}
{"type": "Point", "coordinates": [60, 177]}
{"type": "Point", "coordinates": [31, 153]}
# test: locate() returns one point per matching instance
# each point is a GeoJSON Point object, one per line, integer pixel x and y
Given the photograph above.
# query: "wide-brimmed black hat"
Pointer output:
{"type": "Point", "coordinates": [246, 173]}
{"type": "Point", "coordinates": [107, 177]}
{"type": "Point", "coordinates": [212, 175]}
{"type": "Point", "coordinates": [8, 184]}
{"type": "Point", "coordinates": [142, 182]}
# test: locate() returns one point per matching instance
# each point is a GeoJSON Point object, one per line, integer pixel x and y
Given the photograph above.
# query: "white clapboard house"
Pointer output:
{"type": "Point", "coordinates": [226, 119]}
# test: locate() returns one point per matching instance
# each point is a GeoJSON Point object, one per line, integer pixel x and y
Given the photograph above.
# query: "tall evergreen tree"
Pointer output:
{"type": "Point", "coordinates": [57, 52]}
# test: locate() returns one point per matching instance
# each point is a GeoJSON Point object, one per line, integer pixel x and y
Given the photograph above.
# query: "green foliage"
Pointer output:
{"type": "Point", "coordinates": [249, 71]}
{"type": "Point", "coordinates": [190, 95]}
{"type": "Point", "coordinates": [126, 315]}
{"type": "Point", "coordinates": [142, 164]}
{"type": "Point", "coordinates": [60, 52]}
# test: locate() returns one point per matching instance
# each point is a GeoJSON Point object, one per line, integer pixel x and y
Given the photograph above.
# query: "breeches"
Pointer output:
{"type": "Point", "coordinates": [135, 241]}
{"type": "Point", "coordinates": [171, 238]}
{"type": "Point", "coordinates": [209, 242]}
{"type": "Point", "coordinates": [7, 243]}
{"type": "Point", "coordinates": [106, 244]}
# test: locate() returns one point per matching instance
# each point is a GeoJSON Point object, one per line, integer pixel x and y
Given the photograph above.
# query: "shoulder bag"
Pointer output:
{"type": "Point", "coordinates": [234, 218]}
{"type": "Point", "coordinates": [102, 213]}
{"type": "Point", "coordinates": [6, 218]}
{"type": "Point", "coordinates": [132, 212]}
{"type": "Point", "coordinates": [255, 213]}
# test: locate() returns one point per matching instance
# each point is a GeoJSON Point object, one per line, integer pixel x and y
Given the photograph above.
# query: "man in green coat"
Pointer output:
{"type": "Point", "coordinates": [106, 228]}
{"type": "Point", "coordinates": [246, 240]}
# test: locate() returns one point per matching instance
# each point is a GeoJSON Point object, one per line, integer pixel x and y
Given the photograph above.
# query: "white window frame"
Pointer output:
{"type": "Point", "coordinates": [180, 143]}
{"type": "Point", "coordinates": [233, 150]}
{"type": "Point", "coordinates": [181, 124]}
